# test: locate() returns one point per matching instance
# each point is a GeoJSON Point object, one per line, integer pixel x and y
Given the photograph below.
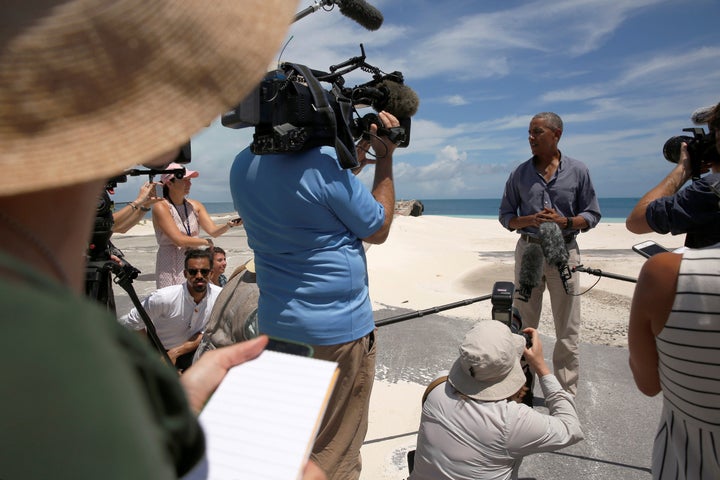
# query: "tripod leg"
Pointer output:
{"type": "Point", "coordinates": [125, 281]}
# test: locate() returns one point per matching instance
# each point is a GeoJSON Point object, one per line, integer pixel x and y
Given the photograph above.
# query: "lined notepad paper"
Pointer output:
{"type": "Point", "coordinates": [262, 421]}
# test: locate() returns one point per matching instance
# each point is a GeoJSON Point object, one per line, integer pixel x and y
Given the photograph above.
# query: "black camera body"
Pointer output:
{"type": "Point", "coordinates": [701, 148]}
{"type": "Point", "coordinates": [98, 250]}
{"type": "Point", "coordinates": [292, 112]}
{"type": "Point", "coordinates": [400, 136]}
{"type": "Point", "coordinates": [503, 310]}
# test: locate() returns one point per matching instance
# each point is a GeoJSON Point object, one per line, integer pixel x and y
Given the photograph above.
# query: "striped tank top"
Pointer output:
{"type": "Point", "coordinates": [688, 440]}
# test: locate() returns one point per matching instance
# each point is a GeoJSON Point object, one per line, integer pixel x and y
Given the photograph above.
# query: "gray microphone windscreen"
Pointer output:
{"type": "Point", "coordinates": [402, 100]}
{"type": "Point", "coordinates": [553, 244]}
{"type": "Point", "coordinates": [531, 269]}
{"type": "Point", "coordinates": [362, 12]}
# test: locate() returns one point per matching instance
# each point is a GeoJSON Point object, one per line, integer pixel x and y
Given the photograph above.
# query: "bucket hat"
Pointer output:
{"type": "Point", "coordinates": [488, 367]}
{"type": "Point", "coordinates": [91, 87]}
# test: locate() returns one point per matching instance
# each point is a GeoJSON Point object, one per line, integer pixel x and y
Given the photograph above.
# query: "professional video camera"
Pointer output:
{"type": "Point", "coordinates": [701, 149]}
{"type": "Point", "coordinates": [291, 111]}
{"type": "Point", "coordinates": [503, 310]}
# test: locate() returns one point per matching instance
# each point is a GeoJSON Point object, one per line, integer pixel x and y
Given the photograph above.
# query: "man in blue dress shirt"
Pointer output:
{"type": "Point", "coordinates": [551, 187]}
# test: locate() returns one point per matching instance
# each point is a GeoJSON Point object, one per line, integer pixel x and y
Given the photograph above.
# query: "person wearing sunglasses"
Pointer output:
{"type": "Point", "coordinates": [180, 312]}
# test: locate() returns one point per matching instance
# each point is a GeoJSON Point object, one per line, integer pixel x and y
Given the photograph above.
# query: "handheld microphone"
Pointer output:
{"type": "Point", "coordinates": [531, 270]}
{"type": "Point", "coordinates": [555, 251]}
{"type": "Point", "coordinates": [362, 12]}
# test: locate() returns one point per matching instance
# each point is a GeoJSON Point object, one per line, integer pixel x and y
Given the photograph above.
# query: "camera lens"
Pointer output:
{"type": "Point", "coordinates": [671, 149]}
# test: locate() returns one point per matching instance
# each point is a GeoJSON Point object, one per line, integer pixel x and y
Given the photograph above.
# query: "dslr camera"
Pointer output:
{"type": "Point", "coordinates": [503, 310]}
{"type": "Point", "coordinates": [701, 149]}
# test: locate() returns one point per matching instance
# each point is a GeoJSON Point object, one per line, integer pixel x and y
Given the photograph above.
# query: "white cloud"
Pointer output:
{"type": "Point", "coordinates": [456, 100]}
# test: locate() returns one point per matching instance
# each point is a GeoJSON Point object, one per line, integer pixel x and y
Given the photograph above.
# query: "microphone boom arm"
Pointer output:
{"type": "Point", "coordinates": [431, 310]}
{"type": "Point", "coordinates": [600, 273]}
{"type": "Point", "coordinates": [313, 8]}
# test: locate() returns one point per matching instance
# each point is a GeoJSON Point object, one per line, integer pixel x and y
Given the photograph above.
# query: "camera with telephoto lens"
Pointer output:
{"type": "Point", "coordinates": [701, 149]}
{"type": "Point", "coordinates": [503, 310]}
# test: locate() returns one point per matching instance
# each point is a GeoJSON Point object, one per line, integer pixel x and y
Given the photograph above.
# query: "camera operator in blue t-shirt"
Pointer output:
{"type": "Point", "coordinates": [306, 219]}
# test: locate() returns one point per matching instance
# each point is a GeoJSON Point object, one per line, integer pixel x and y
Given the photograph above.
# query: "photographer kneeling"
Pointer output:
{"type": "Point", "coordinates": [475, 427]}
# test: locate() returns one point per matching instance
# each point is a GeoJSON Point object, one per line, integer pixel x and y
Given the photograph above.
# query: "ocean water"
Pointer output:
{"type": "Point", "coordinates": [614, 210]}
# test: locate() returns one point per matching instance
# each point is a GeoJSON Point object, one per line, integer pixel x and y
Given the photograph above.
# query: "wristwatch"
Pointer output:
{"type": "Point", "coordinates": [569, 223]}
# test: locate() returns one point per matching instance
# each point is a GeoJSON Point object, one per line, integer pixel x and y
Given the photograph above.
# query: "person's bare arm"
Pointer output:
{"type": "Point", "coordinates": [636, 222]}
{"type": "Point", "coordinates": [383, 186]}
{"type": "Point", "coordinates": [207, 224]}
{"type": "Point", "coordinates": [534, 355]}
{"type": "Point", "coordinates": [189, 345]}
{"type": "Point", "coordinates": [651, 305]}
{"type": "Point", "coordinates": [162, 218]}
{"type": "Point", "coordinates": [128, 216]}
{"type": "Point", "coordinates": [517, 223]}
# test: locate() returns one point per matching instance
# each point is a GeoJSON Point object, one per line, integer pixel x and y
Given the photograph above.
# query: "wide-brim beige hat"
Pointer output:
{"type": "Point", "coordinates": [91, 87]}
{"type": "Point", "coordinates": [488, 367]}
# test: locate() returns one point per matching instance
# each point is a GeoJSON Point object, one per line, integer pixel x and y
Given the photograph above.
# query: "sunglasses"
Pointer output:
{"type": "Point", "coordinates": [194, 271]}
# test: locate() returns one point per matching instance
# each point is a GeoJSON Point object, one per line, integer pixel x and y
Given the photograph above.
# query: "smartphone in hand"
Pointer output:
{"type": "Point", "coordinates": [649, 248]}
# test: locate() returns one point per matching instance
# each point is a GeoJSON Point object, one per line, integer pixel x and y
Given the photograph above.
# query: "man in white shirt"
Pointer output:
{"type": "Point", "coordinates": [180, 312]}
{"type": "Point", "coordinates": [474, 426]}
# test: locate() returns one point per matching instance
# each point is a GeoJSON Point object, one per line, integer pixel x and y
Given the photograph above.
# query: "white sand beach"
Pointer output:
{"type": "Point", "coordinates": [433, 260]}
{"type": "Point", "coordinates": [430, 261]}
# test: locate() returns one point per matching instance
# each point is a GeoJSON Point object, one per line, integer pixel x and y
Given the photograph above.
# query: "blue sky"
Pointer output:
{"type": "Point", "coordinates": [624, 76]}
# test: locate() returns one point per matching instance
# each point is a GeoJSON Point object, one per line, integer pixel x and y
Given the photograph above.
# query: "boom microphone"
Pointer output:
{"type": "Point", "coordinates": [555, 251]}
{"type": "Point", "coordinates": [531, 270]}
{"type": "Point", "coordinates": [362, 12]}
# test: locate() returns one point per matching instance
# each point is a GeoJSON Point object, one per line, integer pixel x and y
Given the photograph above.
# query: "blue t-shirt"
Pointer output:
{"type": "Point", "coordinates": [305, 218]}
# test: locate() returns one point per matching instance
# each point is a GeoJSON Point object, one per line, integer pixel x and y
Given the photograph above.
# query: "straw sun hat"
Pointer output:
{"type": "Point", "coordinates": [488, 367]}
{"type": "Point", "coordinates": [91, 87]}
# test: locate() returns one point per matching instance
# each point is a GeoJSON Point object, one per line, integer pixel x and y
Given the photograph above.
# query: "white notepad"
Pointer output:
{"type": "Point", "coordinates": [262, 420]}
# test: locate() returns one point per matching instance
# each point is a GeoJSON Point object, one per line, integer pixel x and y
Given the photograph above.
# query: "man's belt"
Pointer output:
{"type": "Point", "coordinates": [530, 239]}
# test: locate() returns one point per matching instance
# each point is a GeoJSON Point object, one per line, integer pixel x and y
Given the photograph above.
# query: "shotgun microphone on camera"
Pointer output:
{"type": "Point", "coordinates": [387, 95]}
{"type": "Point", "coordinates": [555, 251]}
{"type": "Point", "coordinates": [531, 270]}
{"type": "Point", "coordinates": [402, 101]}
